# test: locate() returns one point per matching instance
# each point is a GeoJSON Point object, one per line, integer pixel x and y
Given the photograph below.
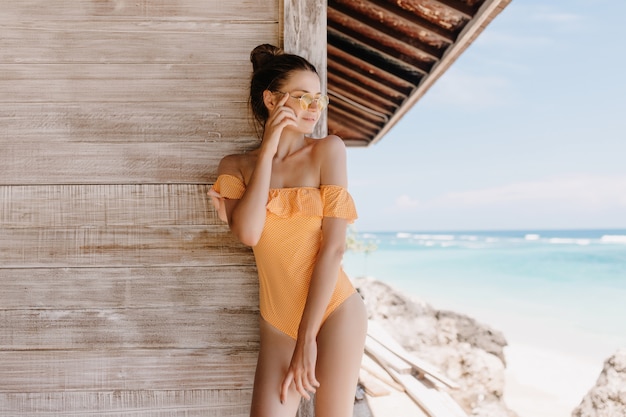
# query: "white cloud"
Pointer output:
{"type": "Point", "coordinates": [591, 191]}
{"type": "Point", "coordinates": [469, 91]}
{"type": "Point", "coordinates": [514, 41]}
{"type": "Point", "coordinates": [576, 191]}
{"type": "Point", "coordinates": [405, 202]}
{"type": "Point", "coordinates": [557, 17]}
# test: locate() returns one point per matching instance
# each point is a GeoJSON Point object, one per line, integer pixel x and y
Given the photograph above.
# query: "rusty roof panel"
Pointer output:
{"type": "Point", "coordinates": [382, 55]}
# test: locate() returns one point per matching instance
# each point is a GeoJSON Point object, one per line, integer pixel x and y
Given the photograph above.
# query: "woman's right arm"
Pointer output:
{"type": "Point", "coordinates": [246, 216]}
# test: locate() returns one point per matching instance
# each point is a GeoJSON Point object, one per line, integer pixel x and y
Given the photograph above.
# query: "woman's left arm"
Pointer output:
{"type": "Point", "coordinates": [301, 372]}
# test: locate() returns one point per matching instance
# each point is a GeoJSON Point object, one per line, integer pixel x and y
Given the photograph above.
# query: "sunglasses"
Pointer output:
{"type": "Point", "coordinates": [306, 100]}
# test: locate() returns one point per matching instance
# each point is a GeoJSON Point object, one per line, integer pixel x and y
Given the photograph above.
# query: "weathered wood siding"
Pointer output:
{"type": "Point", "coordinates": [121, 293]}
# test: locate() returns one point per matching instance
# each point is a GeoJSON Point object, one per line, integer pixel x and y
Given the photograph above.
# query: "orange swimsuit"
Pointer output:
{"type": "Point", "coordinates": [287, 250]}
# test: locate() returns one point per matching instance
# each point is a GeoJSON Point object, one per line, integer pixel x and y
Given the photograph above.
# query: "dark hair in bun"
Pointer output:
{"type": "Point", "coordinates": [271, 67]}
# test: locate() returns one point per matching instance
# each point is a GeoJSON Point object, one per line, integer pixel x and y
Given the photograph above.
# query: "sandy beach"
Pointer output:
{"type": "Point", "coordinates": [558, 304]}
{"type": "Point", "coordinates": [546, 383]}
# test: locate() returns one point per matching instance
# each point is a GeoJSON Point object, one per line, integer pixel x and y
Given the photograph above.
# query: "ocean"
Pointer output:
{"type": "Point", "coordinates": [563, 290]}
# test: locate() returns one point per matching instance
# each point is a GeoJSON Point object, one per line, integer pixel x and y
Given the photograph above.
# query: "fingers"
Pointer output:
{"type": "Point", "coordinates": [279, 118]}
{"type": "Point", "coordinates": [283, 116]}
{"type": "Point", "coordinates": [285, 387]}
{"type": "Point", "coordinates": [283, 99]}
{"type": "Point", "coordinates": [305, 383]}
{"type": "Point", "coordinates": [281, 111]}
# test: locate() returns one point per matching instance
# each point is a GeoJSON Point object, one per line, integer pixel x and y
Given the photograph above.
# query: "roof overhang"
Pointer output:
{"type": "Point", "coordinates": [383, 55]}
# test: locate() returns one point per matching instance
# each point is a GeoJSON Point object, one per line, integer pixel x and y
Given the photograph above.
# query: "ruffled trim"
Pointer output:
{"type": "Point", "coordinates": [338, 202]}
{"type": "Point", "coordinates": [288, 202]}
{"type": "Point", "coordinates": [327, 201]}
{"type": "Point", "coordinates": [226, 186]}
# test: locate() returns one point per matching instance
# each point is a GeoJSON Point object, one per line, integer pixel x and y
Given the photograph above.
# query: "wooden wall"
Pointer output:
{"type": "Point", "coordinates": [121, 293]}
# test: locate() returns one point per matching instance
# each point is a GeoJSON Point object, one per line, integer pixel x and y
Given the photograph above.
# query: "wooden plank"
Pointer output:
{"type": "Point", "coordinates": [121, 246]}
{"type": "Point", "coordinates": [373, 368]}
{"type": "Point", "coordinates": [123, 83]}
{"type": "Point", "coordinates": [384, 356]}
{"type": "Point", "coordinates": [435, 403]}
{"type": "Point", "coordinates": [220, 287]}
{"type": "Point", "coordinates": [100, 205]}
{"type": "Point", "coordinates": [114, 225]}
{"type": "Point", "coordinates": [304, 34]}
{"type": "Point", "coordinates": [59, 43]}
{"type": "Point", "coordinates": [139, 403]}
{"type": "Point", "coordinates": [159, 42]}
{"type": "Point", "coordinates": [126, 369]}
{"type": "Point", "coordinates": [78, 10]}
{"type": "Point", "coordinates": [372, 385]}
{"type": "Point", "coordinates": [397, 404]}
{"type": "Point", "coordinates": [378, 333]}
{"type": "Point", "coordinates": [232, 410]}
{"type": "Point", "coordinates": [204, 121]}
{"type": "Point", "coordinates": [425, 394]}
{"type": "Point", "coordinates": [123, 163]}
{"type": "Point", "coordinates": [172, 327]}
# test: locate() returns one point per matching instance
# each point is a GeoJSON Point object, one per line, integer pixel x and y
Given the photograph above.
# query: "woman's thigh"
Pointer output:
{"type": "Point", "coordinates": [274, 358]}
{"type": "Point", "coordinates": [339, 351]}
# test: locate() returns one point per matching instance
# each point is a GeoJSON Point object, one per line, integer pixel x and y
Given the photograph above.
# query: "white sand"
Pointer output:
{"type": "Point", "coordinates": [545, 383]}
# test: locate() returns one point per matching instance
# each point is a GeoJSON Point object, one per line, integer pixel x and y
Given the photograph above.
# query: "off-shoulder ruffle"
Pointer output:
{"type": "Point", "coordinates": [338, 202]}
{"type": "Point", "coordinates": [327, 201]}
{"type": "Point", "coordinates": [288, 202]}
{"type": "Point", "coordinates": [226, 186]}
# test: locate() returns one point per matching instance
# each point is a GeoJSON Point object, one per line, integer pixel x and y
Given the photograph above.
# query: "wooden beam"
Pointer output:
{"type": "Point", "coordinates": [441, 33]}
{"type": "Point", "coordinates": [304, 34]}
{"type": "Point", "coordinates": [378, 60]}
{"type": "Point", "coordinates": [374, 100]}
{"type": "Point", "coordinates": [459, 7]}
{"type": "Point", "coordinates": [365, 70]}
{"type": "Point", "coordinates": [344, 12]}
{"type": "Point", "coordinates": [389, 54]}
{"type": "Point", "coordinates": [474, 27]}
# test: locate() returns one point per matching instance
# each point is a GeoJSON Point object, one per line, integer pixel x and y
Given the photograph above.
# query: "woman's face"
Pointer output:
{"type": "Point", "coordinates": [305, 99]}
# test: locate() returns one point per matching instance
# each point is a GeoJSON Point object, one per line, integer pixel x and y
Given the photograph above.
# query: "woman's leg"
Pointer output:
{"type": "Point", "coordinates": [339, 350]}
{"type": "Point", "coordinates": [274, 358]}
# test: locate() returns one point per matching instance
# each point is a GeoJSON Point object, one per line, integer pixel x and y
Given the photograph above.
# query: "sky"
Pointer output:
{"type": "Point", "coordinates": [525, 131]}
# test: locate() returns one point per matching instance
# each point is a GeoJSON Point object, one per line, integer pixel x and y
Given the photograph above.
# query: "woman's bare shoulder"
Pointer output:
{"type": "Point", "coordinates": [330, 154]}
{"type": "Point", "coordinates": [331, 145]}
{"type": "Point", "coordinates": [237, 164]}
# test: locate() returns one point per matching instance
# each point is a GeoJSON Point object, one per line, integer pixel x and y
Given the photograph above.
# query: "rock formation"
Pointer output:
{"type": "Point", "coordinates": [466, 351]}
{"type": "Point", "coordinates": [608, 397]}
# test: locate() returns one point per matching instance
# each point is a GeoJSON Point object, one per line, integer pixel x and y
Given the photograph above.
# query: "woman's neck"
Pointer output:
{"type": "Point", "coordinates": [289, 144]}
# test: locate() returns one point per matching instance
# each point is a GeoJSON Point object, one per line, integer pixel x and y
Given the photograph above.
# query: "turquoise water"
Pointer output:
{"type": "Point", "coordinates": [564, 290]}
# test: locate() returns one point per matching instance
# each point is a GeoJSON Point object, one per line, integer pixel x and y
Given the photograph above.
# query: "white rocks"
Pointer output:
{"type": "Point", "coordinates": [463, 349]}
{"type": "Point", "coordinates": [608, 397]}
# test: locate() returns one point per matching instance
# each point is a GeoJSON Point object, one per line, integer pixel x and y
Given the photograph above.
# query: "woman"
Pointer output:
{"type": "Point", "coordinates": [288, 200]}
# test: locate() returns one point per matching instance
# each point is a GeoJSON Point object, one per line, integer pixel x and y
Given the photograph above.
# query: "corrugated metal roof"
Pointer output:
{"type": "Point", "coordinates": [383, 55]}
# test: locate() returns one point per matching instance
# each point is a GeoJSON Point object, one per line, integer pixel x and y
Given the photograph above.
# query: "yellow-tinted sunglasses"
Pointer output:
{"type": "Point", "coordinates": [306, 100]}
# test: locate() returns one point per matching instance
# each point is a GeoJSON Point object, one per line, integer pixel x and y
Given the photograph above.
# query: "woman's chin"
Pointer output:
{"type": "Point", "coordinates": [309, 126]}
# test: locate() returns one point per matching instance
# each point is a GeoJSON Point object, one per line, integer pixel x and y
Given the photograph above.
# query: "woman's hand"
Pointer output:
{"type": "Point", "coordinates": [301, 371]}
{"type": "Point", "coordinates": [280, 117]}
